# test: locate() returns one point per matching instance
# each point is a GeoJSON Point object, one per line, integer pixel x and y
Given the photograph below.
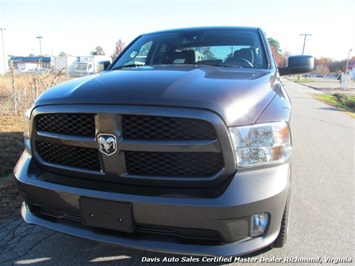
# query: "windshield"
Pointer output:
{"type": "Point", "coordinates": [233, 48]}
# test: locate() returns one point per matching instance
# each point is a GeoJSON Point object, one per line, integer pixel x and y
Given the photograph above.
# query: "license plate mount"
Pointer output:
{"type": "Point", "coordinates": [107, 214]}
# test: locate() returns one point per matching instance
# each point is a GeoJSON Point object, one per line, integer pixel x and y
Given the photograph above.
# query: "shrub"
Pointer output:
{"type": "Point", "coordinates": [346, 100]}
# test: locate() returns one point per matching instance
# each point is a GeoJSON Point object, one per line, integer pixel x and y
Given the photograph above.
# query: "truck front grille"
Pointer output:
{"type": "Point", "coordinates": [148, 146]}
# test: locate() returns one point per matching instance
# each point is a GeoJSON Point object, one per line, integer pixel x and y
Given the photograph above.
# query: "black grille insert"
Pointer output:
{"type": "Point", "coordinates": [182, 163]}
{"type": "Point", "coordinates": [137, 127]}
{"type": "Point", "coordinates": [85, 158]}
{"type": "Point", "coordinates": [68, 124]}
{"type": "Point", "coordinates": [173, 164]}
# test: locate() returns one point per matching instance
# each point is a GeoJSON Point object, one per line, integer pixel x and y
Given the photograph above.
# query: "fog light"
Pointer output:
{"type": "Point", "coordinates": [258, 224]}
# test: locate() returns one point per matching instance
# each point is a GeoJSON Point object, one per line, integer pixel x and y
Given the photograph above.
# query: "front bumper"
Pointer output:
{"type": "Point", "coordinates": [249, 193]}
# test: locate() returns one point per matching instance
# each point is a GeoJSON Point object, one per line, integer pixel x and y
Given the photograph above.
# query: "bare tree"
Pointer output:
{"type": "Point", "coordinates": [120, 45]}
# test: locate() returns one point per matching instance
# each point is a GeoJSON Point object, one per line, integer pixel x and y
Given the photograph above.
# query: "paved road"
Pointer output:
{"type": "Point", "coordinates": [322, 203]}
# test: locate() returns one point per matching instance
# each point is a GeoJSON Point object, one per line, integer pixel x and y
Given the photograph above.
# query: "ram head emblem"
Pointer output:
{"type": "Point", "coordinates": [107, 143]}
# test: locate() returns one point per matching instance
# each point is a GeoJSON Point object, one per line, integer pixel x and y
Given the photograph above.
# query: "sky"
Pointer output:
{"type": "Point", "coordinates": [77, 27]}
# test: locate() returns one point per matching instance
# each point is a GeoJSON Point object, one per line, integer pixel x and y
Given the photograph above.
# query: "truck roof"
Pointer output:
{"type": "Point", "coordinates": [205, 28]}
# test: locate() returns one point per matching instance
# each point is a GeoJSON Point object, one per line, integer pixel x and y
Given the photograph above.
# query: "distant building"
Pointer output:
{"type": "Point", "coordinates": [25, 63]}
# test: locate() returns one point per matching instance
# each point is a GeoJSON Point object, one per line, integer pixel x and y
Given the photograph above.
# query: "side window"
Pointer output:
{"type": "Point", "coordinates": [140, 57]}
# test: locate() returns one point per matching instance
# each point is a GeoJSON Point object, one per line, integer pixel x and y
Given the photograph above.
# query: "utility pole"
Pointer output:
{"type": "Point", "coordinates": [345, 79]}
{"type": "Point", "coordinates": [3, 48]}
{"type": "Point", "coordinates": [304, 41]}
{"type": "Point", "coordinates": [304, 45]}
{"type": "Point", "coordinates": [347, 62]}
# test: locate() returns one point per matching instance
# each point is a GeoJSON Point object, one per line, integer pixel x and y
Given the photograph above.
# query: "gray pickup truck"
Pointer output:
{"type": "Point", "coordinates": [181, 145]}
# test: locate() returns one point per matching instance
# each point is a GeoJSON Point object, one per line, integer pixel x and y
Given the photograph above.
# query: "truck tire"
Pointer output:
{"type": "Point", "coordinates": [282, 237]}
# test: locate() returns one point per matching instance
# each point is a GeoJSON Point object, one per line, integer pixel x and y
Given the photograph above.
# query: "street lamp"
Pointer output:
{"type": "Point", "coordinates": [40, 51]}
{"type": "Point", "coordinates": [40, 47]}
{"type": "Point", "coordinates": [3, 47]}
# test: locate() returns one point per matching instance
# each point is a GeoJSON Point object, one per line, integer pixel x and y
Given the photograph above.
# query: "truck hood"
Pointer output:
{"type": "Point", "coordinates": [238, 97]}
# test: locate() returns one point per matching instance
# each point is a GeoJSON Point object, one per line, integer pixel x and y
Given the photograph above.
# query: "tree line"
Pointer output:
{"type": "Point", "coordinates": [120, 45]}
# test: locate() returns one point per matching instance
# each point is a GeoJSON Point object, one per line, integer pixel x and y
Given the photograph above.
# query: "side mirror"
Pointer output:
{"type": "Point", "coordinates": [298, 64]}
{"type": "Point", "coordinates": [103, 65]}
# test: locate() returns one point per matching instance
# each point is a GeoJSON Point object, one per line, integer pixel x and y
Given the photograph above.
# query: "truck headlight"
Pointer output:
{"type": "Point", "coordinates": [261, 144]}
{"type": "Point", "coordinates": [26, 130]}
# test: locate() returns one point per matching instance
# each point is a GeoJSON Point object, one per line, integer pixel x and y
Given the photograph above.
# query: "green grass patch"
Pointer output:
{"type": "Point", "coordinates": [301, 79]}
{"type": "Point", "coordinates": [341, 101]}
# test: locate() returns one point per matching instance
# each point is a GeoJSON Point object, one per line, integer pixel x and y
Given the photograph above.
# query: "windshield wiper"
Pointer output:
{"type": "Point", "coordinates": [226, 65]}
{"type": "Point", "coordinates": [217, 65]}
{"type": "Point", "coordinates": [126, 66]}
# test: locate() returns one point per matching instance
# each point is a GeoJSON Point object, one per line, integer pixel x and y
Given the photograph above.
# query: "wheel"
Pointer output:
{"type": "Point", "coordinates": [282, 237]}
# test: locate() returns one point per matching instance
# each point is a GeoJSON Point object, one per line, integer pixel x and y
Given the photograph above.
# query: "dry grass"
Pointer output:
{"type": "Point", "coordinates": [11, 147]}
{"type": "Point", "coordinates": [17, 94]}
{"type": "Point", "coordinates": [11, 144]}
{"type": "Point", "coordinates": [19, 91]}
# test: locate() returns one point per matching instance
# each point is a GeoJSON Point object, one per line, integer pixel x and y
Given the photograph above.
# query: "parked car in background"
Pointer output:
{"type": "Point", "coordinates": [87, 65]}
